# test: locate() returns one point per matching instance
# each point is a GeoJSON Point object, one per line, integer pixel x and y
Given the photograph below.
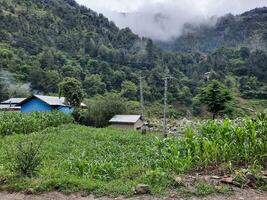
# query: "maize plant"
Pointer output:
{"type": "Point", "coordinates": [25, 123]}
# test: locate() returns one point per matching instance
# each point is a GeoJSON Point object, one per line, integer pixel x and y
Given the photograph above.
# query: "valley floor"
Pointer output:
{"type": "Point", "coordinates": [238, 195]}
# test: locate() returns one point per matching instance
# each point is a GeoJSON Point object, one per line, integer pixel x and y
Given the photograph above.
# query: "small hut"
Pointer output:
{"type": "Point", "coordinates": [127, 121]}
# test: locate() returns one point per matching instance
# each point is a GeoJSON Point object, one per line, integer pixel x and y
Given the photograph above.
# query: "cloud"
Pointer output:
{"type": "Point", "coordinates": [164, 19]}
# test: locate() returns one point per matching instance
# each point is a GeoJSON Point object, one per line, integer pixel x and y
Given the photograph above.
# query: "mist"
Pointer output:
{"type": "Point", "coordinates": [15, 88]}
{"type": "Point", "coordinates": [165, 19]}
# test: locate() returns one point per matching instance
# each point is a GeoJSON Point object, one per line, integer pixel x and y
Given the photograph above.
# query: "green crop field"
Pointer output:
{"type": "Point", "coordinates": [112, 161]}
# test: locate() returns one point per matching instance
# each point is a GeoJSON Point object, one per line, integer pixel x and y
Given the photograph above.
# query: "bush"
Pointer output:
{"type": "Point", "coordinates": [25, 123]}
{"type": "Point", "coordinates": [25, 159]}
{"type": "Point", "coordinates": [102, 109]}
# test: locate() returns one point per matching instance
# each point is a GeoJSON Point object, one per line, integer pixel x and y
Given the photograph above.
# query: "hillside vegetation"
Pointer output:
{"type": "Point", "coordinates": [41, 42]}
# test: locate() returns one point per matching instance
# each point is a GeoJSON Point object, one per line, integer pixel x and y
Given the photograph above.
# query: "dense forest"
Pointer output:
{"type": "Point", "coordinates": [247, 30]}
{"type": "Point", "coordinates": [42, 41]}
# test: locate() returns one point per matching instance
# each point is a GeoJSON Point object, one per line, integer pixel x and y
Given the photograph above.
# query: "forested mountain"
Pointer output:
{"type": "Point", "coordinates": [248, 29]}
{"type": "Point", "coordinates": [43, 41]}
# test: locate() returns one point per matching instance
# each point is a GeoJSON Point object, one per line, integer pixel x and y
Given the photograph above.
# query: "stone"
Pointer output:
{"type": "Point", "coordinates": [250, 176]}
{"type": "Point", "coordinates": [29, 191]}
{"type": "Point", "coordinates": [142, 189]}
{"type": "Point", "coordinates": [215, 177]}
{"type": "Point", "coordinates": [178, 180]}
{"type": "Point", "coordinates": [173, 195]}
{"type": "Point", "coordinates": [235, 183]}
{"type": "Point", "coordinates": [228, 180]}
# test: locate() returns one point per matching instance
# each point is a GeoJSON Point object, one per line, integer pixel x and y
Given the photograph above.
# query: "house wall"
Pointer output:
{"type": "Point", "coordinates": [134, 126]}
{"type": "Point", "coordinates": [138, 124]}
{"type": "Point", "coordinates": [35, 105]}
{"type": "Point", "coordinates": [65, 109]}
{"type": "Point", "coordinates": [123, 125]}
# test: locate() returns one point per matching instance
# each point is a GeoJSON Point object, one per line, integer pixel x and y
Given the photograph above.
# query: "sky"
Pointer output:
{"type": "Point", "coordinates": [164, 19]}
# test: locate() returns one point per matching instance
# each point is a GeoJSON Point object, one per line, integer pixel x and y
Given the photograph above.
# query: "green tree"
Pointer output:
{"type": "Point", "coordinates": [93, 85]}
{"type": "Point", "coordinates": [215, 96]}
{"type": "Point", "coordinates": [103, 108]}
{"type": "Point", "coordinates": [128, 89]}
{"type": "Point", "coordinates": [72, 90]}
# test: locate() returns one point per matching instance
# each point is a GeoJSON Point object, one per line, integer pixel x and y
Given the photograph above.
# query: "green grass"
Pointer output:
{"type": "Point", "coordinates": [113, 161]}
{"type": "Point", "coordinates": [202, 189]}
{"type": "Point", "coordinates": [89, 159]}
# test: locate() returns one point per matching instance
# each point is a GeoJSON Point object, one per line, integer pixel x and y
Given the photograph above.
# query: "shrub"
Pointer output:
{"type": "Point", "coordinates": [102, 109]}
{"type": "Point", "coordinates": [25, 123]}
{"type": "Point", "coordinates": [25, 159]}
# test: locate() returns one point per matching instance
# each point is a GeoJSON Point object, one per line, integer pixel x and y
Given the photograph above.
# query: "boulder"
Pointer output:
{"type": "Point", "coordinates": [142, 189]}
{"type": "Point", "coordinates": [29, 191]}
{"type": "Point", "coordinates": [178, 180]}
{"type": "Point", "coordinates": [228, 180]}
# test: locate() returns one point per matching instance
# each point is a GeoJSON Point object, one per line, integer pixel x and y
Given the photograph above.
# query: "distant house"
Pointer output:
{"type": "Point", "coordinates": [45, 103]}
{"type": "Point", "coordinates": [127, 121]}
{"type": "Point", "coordinates": [11, 104]}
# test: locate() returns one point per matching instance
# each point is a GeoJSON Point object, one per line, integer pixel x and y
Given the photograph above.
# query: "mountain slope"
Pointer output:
{"type": "Point", "coordinates": [43, 41]}
{"type": "Point", "coordinates": [248, 29]}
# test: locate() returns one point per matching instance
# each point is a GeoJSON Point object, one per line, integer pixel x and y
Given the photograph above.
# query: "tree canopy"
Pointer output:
{"type": "Point", "coordinates": [72, 90]}
{"type": "Point", "coordinates": [215, 96]}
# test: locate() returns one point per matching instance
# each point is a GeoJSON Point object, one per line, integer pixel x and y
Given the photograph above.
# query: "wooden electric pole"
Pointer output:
{"type": "Point", "coordinates": [165, 114]}
{"type": "Point", "coordinates": [142, 98]}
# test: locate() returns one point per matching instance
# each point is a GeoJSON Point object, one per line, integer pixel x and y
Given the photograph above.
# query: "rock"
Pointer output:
{"type": "Point", "coordinates": [178, 180]}
{"type": "Point", "coordinates": [236, 184]}
{"type": "Point", "coordinates": [173, 195]}
{"type": "Point", "coordinates": [142, 189]}
{"type": "Point", "coordinates": [215, 177]}
{"type": "Point", "coordinates": [29, 191]}
{"type": "Point", "coordinates": [228, 180]}
{"type": "Point", "coordinates": [250, 177]}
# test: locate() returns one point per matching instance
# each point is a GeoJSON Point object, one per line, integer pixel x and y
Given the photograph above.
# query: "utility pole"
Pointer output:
{"type": "Point", "coordinates": [142, 97]}
{"type": "Point", "coordinates": [165, 123]}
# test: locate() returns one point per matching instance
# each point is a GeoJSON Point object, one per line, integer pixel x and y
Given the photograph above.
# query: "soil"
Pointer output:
{"type": "Point", "coordinates": [238, 195]}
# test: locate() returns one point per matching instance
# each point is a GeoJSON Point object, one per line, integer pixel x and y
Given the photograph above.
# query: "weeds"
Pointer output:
{"type": "Point", "coordinates": [25, 158]}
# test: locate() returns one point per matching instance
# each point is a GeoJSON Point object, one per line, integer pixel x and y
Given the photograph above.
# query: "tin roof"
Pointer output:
{"type": "Point", "coordinates": [13, 101]}
{"type": "Point", "coordinates": [51, 100]}
{"type": "Point", "coordinates": [125, 118]}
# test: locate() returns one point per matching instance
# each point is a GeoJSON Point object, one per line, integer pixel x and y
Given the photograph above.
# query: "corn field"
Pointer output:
{"type": "Point", "coordinates": [25, 123]}
{"type": "Point", "coordinates": [242, 141]}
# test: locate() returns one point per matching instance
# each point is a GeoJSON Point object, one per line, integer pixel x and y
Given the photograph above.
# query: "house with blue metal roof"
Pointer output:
{"type": "Point", "coordinates": [45, 103]}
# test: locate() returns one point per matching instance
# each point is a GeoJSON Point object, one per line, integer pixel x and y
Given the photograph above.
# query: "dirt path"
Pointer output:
{"type": "Point", "coordinates": [239, 195]}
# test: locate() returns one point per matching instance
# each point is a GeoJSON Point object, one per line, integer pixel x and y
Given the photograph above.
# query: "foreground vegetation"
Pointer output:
{"type": "Point", "coordinates": [110, 161]}
{"type": "Point", "coordinates": [85, 45]}
{"type": "Point", "coordinates": [25, 123]}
